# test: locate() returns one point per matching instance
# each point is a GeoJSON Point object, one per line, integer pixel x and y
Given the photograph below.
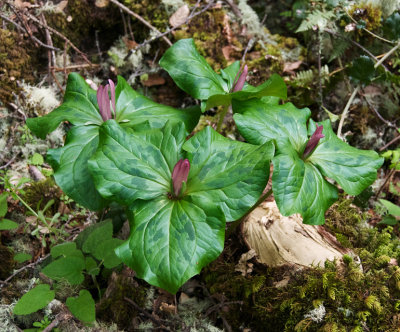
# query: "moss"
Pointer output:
{"type": "Point", "coordinates": [360, 292]}
{"type": "Point", "coordinates": [15, 64]}
{"type": "Point", "coordinates": [368, 14]}
{"type": "Point", "coordinates": [113, 307]}
{"type": "Point", "coordinates": [38, 194]}
{"type": "Point", "coordinates": [7, 262]}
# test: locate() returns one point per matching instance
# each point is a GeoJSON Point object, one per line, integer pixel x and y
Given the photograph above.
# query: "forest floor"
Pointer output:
{"type": "Point", "coordinates": [42, 42]}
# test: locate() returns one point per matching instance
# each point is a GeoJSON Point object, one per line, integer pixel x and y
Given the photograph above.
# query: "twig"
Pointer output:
{"type": "Point", "coordinates": [19, 27]}
{"type": "Point", "coordinates": [73, 67]}
{"type": "Point", "coordinates": [149, 316]}
{"type": "Point", "coordinates": [140, 18]}
{"type": "Point", "coordinates": [248, 47]}
{"type": "Point", "coordinates": [59, 318]}
{"type": "Point", "coordinates": [378, 114]}
{"type": "Point", "coordinates": [41, 259]}
{"type": "Point", "coordinates": [194, 14]}
{"type": "Point", "coordinates": [320, 91]}
{"type": "Point", "coordinates": [394, 140]}
{"type": "Point", "coordinates": [346, 110]}
{"type": "Point", "coordinates": [235, 8]}
{"type": "Point", "coordinates": [220, 305]}
{"type": "Point", "coordinates": [59, 34]}
{"type": "Point", "coordinates": [8, 162]}
{"type": "Point", "coordinates": [370, 32]}
{"type": "Point", "coordinates": [392, 171]}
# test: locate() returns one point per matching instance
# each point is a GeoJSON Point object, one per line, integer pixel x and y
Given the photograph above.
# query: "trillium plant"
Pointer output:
{"type": "Point", "coordinates": [180, 192]}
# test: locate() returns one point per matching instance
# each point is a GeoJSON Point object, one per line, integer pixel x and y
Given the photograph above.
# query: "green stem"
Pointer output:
{"type": "Point", "coordinates": [26, 204]}
{"type": "Point", "coordinates": [237, 222]}
{"type": "Point", "coordinates": [222, 117]}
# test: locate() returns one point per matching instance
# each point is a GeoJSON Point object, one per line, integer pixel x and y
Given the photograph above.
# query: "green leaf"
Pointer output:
{"type": "Point", "coordinates": [66, 249]}
{"type": "Point", "coordinates": [71, 168]}
{"type": "Point", "coordinates": [105, 252]}
{"type": "Point", "coordinates": [3, 204]}
{"type": "Point", "coordinates": [129, 167]}
{"type": "Point", "coordinates": [79, 108]}
{"type": "Point", "coordinates": [392, 209]}
{"type": "Point", "coordinates": [91, 266]}
{"type": "Point", "coordinates": [353, 169]}
{"type": "Point", "coordinates": [22, 257]}
{"type": "Point", "coordinates": [6, 225]}
{"type": "Point", "coordinates": [82, 307]}
{"type": "Point", "coordinates": [193, 74]}
{"type": "Point", "coordinates": [97, 237]}
{"type": "Point", "coordinates": [389, 220]}
{"type": "Point", "coordinates": [275, 86]}
{"type": "Point", "coordinates": [391, 27]}
{"type": "Point", "coordinates": [68, 268]}
{"type": "Point", "coordinates": [36, 299]}
{"type": "Point", "coordinates": [230, 173]}
{"type": "Point", "coordinates": [299, 185]}
{"type": "Point", "coordinates": [37, 159]}
{"type": "Point", "coordinates": [86, 233]}
{"type": "Point", "coordinates": [362, 70]}
{"type": "Point", "coordinates": [133, 108]}
{"type": "Point", "coordinates": [171, 241]}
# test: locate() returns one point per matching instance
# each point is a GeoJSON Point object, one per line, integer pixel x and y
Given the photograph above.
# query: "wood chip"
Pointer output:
{"type": "Point", "coordinates": [154, 79]}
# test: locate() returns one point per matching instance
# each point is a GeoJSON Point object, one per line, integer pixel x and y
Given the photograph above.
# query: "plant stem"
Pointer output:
{"type": "Point", "coordinates": [222, 117]}
{"type": "Point", "coordinates": [237, 222]}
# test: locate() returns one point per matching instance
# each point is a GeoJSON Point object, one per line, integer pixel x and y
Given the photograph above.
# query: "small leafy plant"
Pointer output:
{"type": "Point", "coordinates": [178, 192]}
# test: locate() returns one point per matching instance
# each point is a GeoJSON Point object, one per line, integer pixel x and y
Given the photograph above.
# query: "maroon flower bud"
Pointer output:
{"type": "Point", "coordinates": [241, 80]}
{"type": "Point", "coordinates": [180, 175]}
{"type": "Point", "coordinates": [103, 100]}
{"type": "Point", "coordinates": [313, 141]}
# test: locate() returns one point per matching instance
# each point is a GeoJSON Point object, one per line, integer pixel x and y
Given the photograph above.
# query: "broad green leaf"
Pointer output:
{"type": "Point", "coordinates": [85, 234]}
{"type": "Point", "coordinates": [389, 220]}
{"type": "Point", "coordinates": [391, 27]}
{"type": "Point", "coordinates": [129, 167]}
{"type": "Point", "coordinates": [91, 266]}
{"type": "Point", "coordinates": [171, 241]}
{"type": "Point", "coordinates": [7, 224]}
{"type": "Point", "coordinates": [22, 257]}
{"type": "Point", "coordinates": [105, 252]}
{"type": "Point", "coordinates": [230, 173]}
{"type": "Point", "coordinates": [97, 237]}
{"type": "Point", "coordinates": [353, 169]}
{"type": "Point", "coordinates": [79, 108]}
{"type": "Point", "coordinates": [362, 70]}
{"type": "Point", "coordinates": [82, 307]}
{"type": "Point", "coordinates": [299, 184]}
{"type": "Point", "coordinates": [226, 178]}
{"type": "Point", "coordinates": [193, 74]}
{"type": "Point", "coordinates": [66, 249]}
{"type": "Point", "coordinates": [392, 209]}
{"type": "Point", "coordinates": [36, 299]}
{"type": "Point", "coordinates": [71, 169]}
{"type": "Point", "coordinates": [133, 108]}
{"type": "Point", "coordinates": [3, 204]}
{"type": "Point", "coordinates": [68, 268]}
{"type": "Point", "coordinates": [275, 86]}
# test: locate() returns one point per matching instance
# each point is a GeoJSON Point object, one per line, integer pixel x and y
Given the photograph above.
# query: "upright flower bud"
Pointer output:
{"type": "Point", "coordinates": [103, 100]}
{"type": "Point", "coordinates": [241, 80]}
{"type": "Point", "coordinates": [313, 141]}
{"type": "Point", "coordinates": [180, 175]}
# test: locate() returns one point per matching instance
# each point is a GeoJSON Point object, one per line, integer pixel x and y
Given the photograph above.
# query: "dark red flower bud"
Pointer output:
{"type": "Point", "coordinates": [313, 141]}
{"type": "Point", "coordinates": [103, 100]}
{"type": "Point", "coordinates": [180, 175]}
{"type": "Point", "coordinates": [241, 80]}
